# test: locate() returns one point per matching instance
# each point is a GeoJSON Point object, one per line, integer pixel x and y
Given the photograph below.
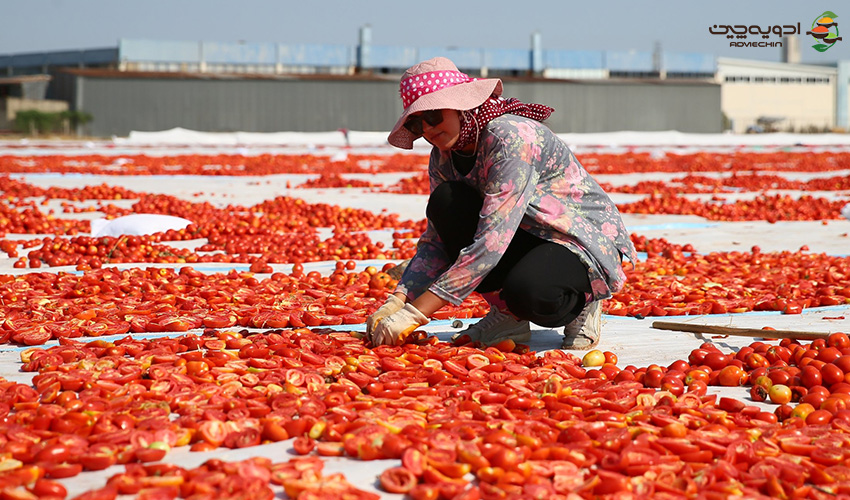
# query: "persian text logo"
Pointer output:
{"type": "Point", "coordinates": [825, 29]}
{"type": "Point", "coordinates": [738, 33]}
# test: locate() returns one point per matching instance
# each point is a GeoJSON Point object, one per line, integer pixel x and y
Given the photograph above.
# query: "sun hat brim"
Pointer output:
{"type": "Point", "coordinates": [461, 97]}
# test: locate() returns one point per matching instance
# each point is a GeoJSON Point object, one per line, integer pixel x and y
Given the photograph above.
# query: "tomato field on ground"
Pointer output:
{"type": "Point", "coordinates": [226, 360]}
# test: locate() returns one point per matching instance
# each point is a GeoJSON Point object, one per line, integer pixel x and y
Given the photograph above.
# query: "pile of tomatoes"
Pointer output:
{"type": "Point", "coordinates": [465, 421]}
{"type": "Point", "coordinates": [417, 184]}
{"type": "Point", "coordinates": [26, 218]}
{"type": "Point", "coordinates": [770, 208]}
{"type": "Point", "coordinates": [738, 161]}
{"type": "Point", "coordinates": [520, 424]}
{"type": "Point", "coordinates": [266, 164]}
{"type": "Point", "coordinates": [42, 306]}
{"type": "Point", "coordinates": [39, 307]}
{"type": "Point", "coordinates": [200, 164]}
{"type": "Point", "coordinates": [18, 189]}
{"type": "Point", "coordinates": [281, 230]}
{"type": "Point", "coordinates": [334, 180]}
{"type": "Point", "coordinates": [815, 375]}
{"type": "Point", "coordinates": [85, 252]}
{"type": "Point", "coordinates": [733, 183]}
{"type": "Point", "coordinates": [671, 281]}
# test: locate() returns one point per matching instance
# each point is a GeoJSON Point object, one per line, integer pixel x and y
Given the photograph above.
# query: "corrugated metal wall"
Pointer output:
{"type": "Point", "coordinates": [611, 106]}
{"type": "Point", "coordinates": [120, 105]}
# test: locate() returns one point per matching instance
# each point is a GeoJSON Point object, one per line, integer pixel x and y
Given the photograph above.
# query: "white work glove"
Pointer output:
{"type": "Point", "coordinates": [393, 329]}
{"type": "Point", "coordinates": [392, 305]}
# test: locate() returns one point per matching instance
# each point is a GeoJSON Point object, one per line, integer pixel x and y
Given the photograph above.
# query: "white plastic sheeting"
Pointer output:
{"type": "Point", "coordinates": [181, 136]}
{"type": "Point", "coordinates": [137, 225]}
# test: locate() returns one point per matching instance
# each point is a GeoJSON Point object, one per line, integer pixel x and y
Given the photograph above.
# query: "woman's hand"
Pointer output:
{"type": "Point", "coordinates": [393, 329]}
{"type": "Point", "coordinates": [392, 305]}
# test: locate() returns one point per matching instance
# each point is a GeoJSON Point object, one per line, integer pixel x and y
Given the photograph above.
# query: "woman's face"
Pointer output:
{"type": "Point", "coordinates": [445, 134]}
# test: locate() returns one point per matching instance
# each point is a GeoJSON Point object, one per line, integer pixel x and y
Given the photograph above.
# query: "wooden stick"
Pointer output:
{"type": "Point", "coordinates": [741, 332]}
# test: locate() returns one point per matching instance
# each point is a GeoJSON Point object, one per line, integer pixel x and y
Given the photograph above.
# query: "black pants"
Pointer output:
{"type": "Point", "coordinates": [540, 281]}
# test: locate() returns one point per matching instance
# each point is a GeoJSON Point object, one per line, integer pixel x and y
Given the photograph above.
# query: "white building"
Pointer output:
{"type": "Point", "coordinates": [783, 96]}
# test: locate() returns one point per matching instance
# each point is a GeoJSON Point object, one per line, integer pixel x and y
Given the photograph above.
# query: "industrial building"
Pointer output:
{"type": "Point", "coordinates": [265, 87]}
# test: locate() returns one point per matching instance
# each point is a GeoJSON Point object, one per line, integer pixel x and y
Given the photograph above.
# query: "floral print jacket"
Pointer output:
{"type": "Point", "coordinates": [529, 179]}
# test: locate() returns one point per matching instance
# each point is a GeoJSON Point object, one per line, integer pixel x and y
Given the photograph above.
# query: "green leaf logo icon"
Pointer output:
{"type": "Point", "coordinates": [825, 28]}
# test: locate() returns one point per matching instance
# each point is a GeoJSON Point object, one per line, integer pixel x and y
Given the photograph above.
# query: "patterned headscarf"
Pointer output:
{"type": "Point", "coordinates": [476, 119]}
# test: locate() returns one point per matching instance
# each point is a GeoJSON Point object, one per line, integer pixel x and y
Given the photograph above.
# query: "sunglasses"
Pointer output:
{"type": "Point", "coordinates": [432, 117]}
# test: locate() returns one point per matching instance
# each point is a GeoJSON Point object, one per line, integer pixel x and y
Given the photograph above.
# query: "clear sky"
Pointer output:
{"type": "Point", "coordinates": [678, 25]}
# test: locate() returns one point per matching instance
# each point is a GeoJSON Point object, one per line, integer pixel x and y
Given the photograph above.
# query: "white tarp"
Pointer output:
{"type": "Point", "coordinates": [181, 136]}
{"type": "Point", "coordinates": [137, 225]}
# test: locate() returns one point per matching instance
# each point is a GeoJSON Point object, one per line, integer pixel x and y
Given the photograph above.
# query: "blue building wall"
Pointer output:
{"type": "Point", "coordinates": [373, 57]}
{"type": "Point", "coordinates": [316, 55]}
{"type": "Point", "coordinates": [153, 50]}
{"type": "Point", "coordinates": [574, 59]}
{"type": "Point", "coordinates": [19, 64]}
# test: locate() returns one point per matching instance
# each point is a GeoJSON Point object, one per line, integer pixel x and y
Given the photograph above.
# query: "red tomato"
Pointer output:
{"type": "Point", "coordinates": [827, 456]}
{"type": "Point", "coordinates": [716, 360]}
{"type": "Point", "coordinates": [779, 377]}
{"type": "Point", "coordinates": [303, 445]}
{"type": "Point", "coordinates": [759, 393]}
{"type": "Point", "coordinates": [697, 356]}
{"type": "Point", "coordinates": [424, 492]}
{"type": "Point", "coordinates": [107, 493]}
{"type": "Point", "coordinates": [834, 404]}
{"type": "Point", "coordinates": [839, 340]}
{"type": "Point", "coordinates": [843, 362]}
{"type": "Point", "coordinates": [679, 365]}
{"type": "Point", "coordinates": [48, 488]}
{"type": "Point", "coordinates": [653, 378]}
{"type": "Point", "coordinates": [213, 432]}
{"type": "Point", "coordinates": [505, 458]}
{"type": "Point", "coordinates": [243, 439]}
{"type": "Point", "coordinates": [818, 417]}
{"type": "Point", "coordinates": [674, 385]}
{"type": "Point", "coordinates": [330, 449]}
{"type": "Point", "coordinates": [98, 458]}
{"type": "Point", "coordinates": [698, 387]}
{"type": "Point", "coordinates": [55, 453]}
{"type": "Point", "coordinates": [150, 454]}
{"type": "Point", "coordinates": [811, 376]}
{"type": "Point", "coordinates": [831, 374]}
{"type": "Point", "coordinates": [397, 480]}
{"type": "Point", "coordinates": [62, 470]}
{"type": "Point", "coordinates": [732, 376]}
{"type": "Point", "coordinates": [802, 410]}
{"type": "Point", "coordinates": [828, 354]}
{"type": "Point", "coordinates": [815, 399]}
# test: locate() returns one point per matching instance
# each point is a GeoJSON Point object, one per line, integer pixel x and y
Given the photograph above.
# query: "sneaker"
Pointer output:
{"type": "Point", "coordinates": [583, 332]}
{"type": "Point", "coordinates": [496, 327]}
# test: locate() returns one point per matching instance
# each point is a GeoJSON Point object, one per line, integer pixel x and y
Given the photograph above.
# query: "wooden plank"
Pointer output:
{"type": "Point", "coordinates": [741, 332]}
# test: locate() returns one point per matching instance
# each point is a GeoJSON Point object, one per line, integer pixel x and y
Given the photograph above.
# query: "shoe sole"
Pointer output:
{"type": "Point", "coordinates": [572, 347]}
